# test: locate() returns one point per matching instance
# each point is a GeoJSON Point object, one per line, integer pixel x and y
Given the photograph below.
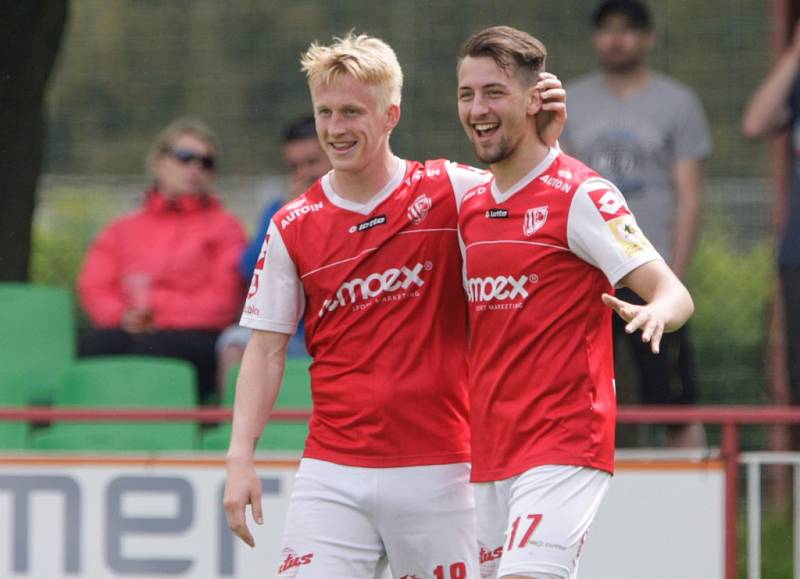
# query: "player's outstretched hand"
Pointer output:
{"type": "Point", "coordinates": [550, 122]}
{"type": "Point", "coordinates": [242, 488]}
{"type": "Point", "coordinates": [645, 318]}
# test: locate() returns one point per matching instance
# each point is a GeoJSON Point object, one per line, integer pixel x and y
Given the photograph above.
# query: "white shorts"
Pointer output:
{"type": "Point", "coordinates": [534, 524]}
{"type": "Point", "coordinates": [349, 522]}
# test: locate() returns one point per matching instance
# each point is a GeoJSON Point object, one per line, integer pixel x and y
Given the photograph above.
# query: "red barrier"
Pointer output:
{"type": "Point", "coordinates": [730, 417]}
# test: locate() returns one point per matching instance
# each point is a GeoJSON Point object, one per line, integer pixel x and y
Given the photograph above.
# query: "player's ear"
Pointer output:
{"type": "Point", "coordinates": [533, 99]}
{"type": "Point", "coordinates": [392, 116]}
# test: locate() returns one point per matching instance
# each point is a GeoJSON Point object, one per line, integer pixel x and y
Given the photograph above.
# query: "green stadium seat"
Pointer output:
{"type": "Point", "coordinates": [13, 434]}
{"type": "Point", "coordinates": [124, 382]}
{"type": "Point", "coordinates": [37, 337]}
{"type": "Point", "coordinates": [295, 393]}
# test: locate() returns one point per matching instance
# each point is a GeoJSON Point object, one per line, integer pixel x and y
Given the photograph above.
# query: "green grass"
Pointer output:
{"type": "Point", "coordinates": [776, 544]}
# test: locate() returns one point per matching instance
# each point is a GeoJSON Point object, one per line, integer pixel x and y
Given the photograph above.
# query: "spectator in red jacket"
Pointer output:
{"type": "Point", "coordinates": [163, 281]}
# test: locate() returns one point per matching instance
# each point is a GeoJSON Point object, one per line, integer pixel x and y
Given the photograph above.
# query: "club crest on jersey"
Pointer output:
{"type": "Point", "coordinates": [496, 214]}
{"type": "Point", "coordinates": [419, 209]}
{"type": "Point", "coordinates": [369, 224]}
{"type": "Point", "coordinates": [291, 563]}
{"type": "Point", "coordinates": [534, 220]}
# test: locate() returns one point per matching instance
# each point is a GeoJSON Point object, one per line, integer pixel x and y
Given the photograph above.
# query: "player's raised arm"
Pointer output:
{"type": "Point", "coordinates": [668, 307]}
{"type": "Point", "coordinates": [257, 389]}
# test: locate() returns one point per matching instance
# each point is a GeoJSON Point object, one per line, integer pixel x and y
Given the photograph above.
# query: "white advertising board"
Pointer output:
{"type": "Point", "coordinates": [139, 518]}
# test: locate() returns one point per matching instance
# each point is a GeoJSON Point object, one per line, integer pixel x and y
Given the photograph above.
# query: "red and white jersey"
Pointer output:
{"type": "Point", "coordinates": [537, 259]}
{"type": "Point", "coordinates": [379, 287]}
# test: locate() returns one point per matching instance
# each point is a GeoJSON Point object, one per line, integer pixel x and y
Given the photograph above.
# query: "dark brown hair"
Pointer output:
{"type": "Point", "coordinates": [513, 50]}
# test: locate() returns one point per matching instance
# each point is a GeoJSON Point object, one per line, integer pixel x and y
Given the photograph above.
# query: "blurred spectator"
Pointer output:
{"type": "Point", "coordinates": [163, 281]}
{"type": "Point", "coordinates": [306, 163]}
{"type": "Point", "coordinates": [648, 134]}
{"type": "Point", "coordinates": [774, 108]}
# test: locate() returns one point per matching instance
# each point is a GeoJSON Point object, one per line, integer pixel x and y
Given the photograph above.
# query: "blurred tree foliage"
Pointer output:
{"type": "Point", "coordinates": [731, 289]}
{"type": "Point", "coordinates": [130, 66]}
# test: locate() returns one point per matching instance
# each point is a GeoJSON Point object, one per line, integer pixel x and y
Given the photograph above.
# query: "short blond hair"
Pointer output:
{"type": "Point", "coordinates": [363, 58]}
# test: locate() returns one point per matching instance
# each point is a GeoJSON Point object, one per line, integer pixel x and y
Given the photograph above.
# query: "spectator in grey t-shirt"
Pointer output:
{"type": "Point", "coordinates": [648, 134]}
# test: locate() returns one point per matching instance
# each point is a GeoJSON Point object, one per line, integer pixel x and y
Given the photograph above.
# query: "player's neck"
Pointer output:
{"type": "Point", "coordinates": [526, 155]}
{"type": "Point", "coordinates": [361, 185]}
{"type": "Point", "coordinates": [624, 83]}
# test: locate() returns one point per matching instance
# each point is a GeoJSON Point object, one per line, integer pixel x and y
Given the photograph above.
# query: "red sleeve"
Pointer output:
{"type": "Point", "coordinates": [99, 288]}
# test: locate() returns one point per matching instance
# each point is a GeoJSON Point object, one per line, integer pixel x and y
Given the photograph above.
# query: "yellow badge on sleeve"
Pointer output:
{"type": "Point", "coordinates": [629, 236]}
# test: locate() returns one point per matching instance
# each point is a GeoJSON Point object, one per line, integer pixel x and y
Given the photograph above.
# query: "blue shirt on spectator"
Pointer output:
{"type": "Point", "coordinates": [248, 261]}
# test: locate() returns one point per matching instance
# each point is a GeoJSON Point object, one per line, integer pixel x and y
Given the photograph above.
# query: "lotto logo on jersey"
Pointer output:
{"type": "Point", "coordinates": [376, 284]}
{"type": "Point", "coordinates": [419, 209]}
{"type": "Point", "coordinates": [496, 214]}
{"type": "Point", "coordinates": [609, 203]}
{"type": "Point", "coordinates": [500, 288]}
{"type": "Point", "coordinates": [299, 211]}
{"type": "Point", "coordinates": [629, 236]}
{"type": "Point", "coordinates": [369, 224]}
{"type": "Point", "coordinates": [291, 563]}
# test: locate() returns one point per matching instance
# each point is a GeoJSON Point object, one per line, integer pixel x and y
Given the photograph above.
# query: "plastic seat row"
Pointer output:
{"type": "Point", "coordinates": [38, 366]}
{"type": "Point", "coordinates": [133, 382]}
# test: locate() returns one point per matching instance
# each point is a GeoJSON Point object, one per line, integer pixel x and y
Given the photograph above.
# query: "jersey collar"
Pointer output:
{"type": "Point", "coordinates": [503, 196]}
{"type": "Point", "coordinates": [369, 206]}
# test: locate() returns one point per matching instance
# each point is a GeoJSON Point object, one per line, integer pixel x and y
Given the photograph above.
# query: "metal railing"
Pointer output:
{"type": "Point", "coordinates": [730, 418]}
{"type": "Point", "coordinates": [754, 461]}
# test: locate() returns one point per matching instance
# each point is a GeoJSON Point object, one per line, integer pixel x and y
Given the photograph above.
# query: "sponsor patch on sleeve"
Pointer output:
{"type": "Point", "coordinates": [610, 203]}
{"type": "Point", "coordinates": [628, 235]}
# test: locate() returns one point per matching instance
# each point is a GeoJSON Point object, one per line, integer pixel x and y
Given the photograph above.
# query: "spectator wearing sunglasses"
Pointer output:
{"type": "Point", "coordinates": [163, 281]}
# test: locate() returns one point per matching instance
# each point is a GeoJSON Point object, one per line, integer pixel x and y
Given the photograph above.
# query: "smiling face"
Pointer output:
{"type": "Point", "coordinates": [352, 125]}
{"type": "Point", "coordinates": [178, 169]}
{"type": "Point", "coordinates": [495, 107]}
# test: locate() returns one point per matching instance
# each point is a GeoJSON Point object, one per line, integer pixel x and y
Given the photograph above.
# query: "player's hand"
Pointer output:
{"type": "Point", "coordinates": [242, 488]}
{"type": "Point", "coordinates": [645, 318]}
{"type": "Point", "coordinates": [550, 121]}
